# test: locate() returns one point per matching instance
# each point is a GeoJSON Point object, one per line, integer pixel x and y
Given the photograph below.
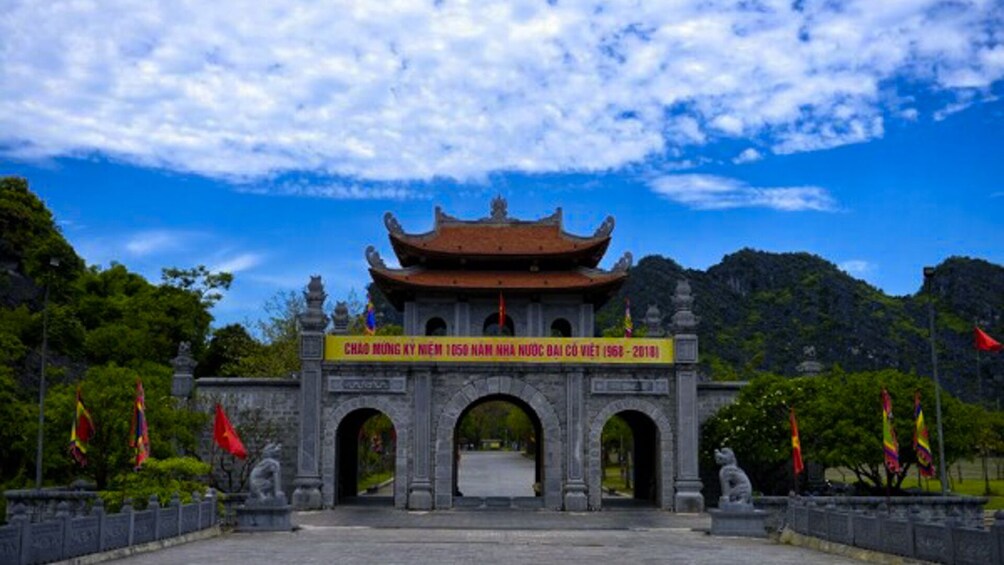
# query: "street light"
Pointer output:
{"type": "Point", "coordinates": [928, 279]}
{"type": "Point", "coordinates": [53, 263]}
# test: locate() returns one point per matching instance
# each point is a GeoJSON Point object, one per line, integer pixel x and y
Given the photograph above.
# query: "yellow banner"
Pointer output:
{"type": "Point", "coordinates": [397, 349]}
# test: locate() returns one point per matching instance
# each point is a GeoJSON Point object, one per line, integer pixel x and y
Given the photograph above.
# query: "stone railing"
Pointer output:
{"type": "Point", "coordinates": [42, 505]}
{"type": "Point", "coordinates": [67, 536]}
{"type": "Point", "coordinates": [910, 533]}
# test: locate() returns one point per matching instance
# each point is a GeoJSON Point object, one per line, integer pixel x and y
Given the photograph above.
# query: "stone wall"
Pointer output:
{"type": "Point", "coordinates": [276, 401]}
{"type": "Point", "coordinates": [713, 396]}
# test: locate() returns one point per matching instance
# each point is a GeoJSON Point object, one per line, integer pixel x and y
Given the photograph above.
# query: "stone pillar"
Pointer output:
{"type": "Point", "coordinates": [585, 320]}
{"type": "Point", "coordinates": [542, 328]}
{"type": "Point", "coordinates": [575, 498]}
{"type": "Point", "coordinates": [307, 491]}
{"type": "Point", "coordinates": [184, 367]}
{"type": "Point", "coordinates": [411, 319]}
{"type": "Point", "coordinates": [688, 481]}
{"type": "Point", "coordinates": [420, 490]}
{"type": "Point", "coordinates": [462, 318]}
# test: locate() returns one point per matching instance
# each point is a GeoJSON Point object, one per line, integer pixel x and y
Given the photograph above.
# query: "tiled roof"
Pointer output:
{"type": "Point", "coordinates": [500, 239]}
{"type": "Point", "coordinates": [578, 279]}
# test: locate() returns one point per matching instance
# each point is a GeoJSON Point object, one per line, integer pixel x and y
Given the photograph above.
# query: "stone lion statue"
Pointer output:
{"type": "Point", "coordinates": [266, 479]}
{"type": "Point", "coordinates": [736, 486]}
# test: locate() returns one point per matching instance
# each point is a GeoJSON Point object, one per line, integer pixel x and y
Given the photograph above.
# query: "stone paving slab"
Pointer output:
{"type": "Point", "coordinates": [384, 517]}
{"type": "Point", "coordinates": [495, 473]}
{"type": "Point", "coordinates": [372, 535]}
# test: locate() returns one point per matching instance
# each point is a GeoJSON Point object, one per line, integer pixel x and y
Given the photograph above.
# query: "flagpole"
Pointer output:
{"type": "Point", "coordinates": [53, 263]}
{"type": "Point", "coordinates": [928, 275]}
{"type": "Point", "coordinates": [979, 381]}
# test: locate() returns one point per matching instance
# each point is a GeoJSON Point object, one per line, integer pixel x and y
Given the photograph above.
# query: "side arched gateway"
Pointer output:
{"type": "Point", "coordinates": [502, 388]}
{"type": "Point", "coordinates": [661, 461]}
{"type": "Point", "coordinates": [346, 414]}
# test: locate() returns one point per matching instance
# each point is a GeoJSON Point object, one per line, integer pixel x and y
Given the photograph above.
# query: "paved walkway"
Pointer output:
{"type": "Point", "coordinates": [380, 534]}
{"type": "Point", "coordinates": [495, 473]}
{"type": "Point", "coordinates": [368, 535]}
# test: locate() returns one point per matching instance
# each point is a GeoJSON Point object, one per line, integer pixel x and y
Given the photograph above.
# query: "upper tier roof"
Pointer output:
{"type": "Point", "coordinates": [400, 285]}
{"type": "Point", "coordinates": [498, 239]}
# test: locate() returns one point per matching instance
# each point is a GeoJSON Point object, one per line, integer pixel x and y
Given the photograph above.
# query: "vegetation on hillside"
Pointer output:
{"type": "Point", "coordinates": [759, 310]}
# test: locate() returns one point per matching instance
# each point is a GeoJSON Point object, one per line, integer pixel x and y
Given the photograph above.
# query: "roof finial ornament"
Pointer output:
{"type": "Point", "coordinates": [500, 209]}
{"type": "Point", "coordinates": [684, 320]}
{"type": "Point", "coordinates": [606, 228]}
{"type": "Point", "coordinates": [393, 226]}
{"type": "Point", "coordinates": [624, 263]}
{"type": "Point", "coordinates": [374, 259]}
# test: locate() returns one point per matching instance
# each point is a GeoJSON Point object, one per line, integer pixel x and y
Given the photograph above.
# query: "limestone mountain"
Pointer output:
{"type": "Point", "coordinates": [759, 311]}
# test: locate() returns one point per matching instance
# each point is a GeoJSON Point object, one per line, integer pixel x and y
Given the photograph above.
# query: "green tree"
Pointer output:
{"type": "Point", "coordinates": [200, 281]}
{"type": "Point", "coordinates": [228, 346]}
{"type": "Point", "coordinates": [840, 425]}
{"type": "Point", "coordinates": [109, 393]}
{"type": "Point", "coordinates": [279, 337]}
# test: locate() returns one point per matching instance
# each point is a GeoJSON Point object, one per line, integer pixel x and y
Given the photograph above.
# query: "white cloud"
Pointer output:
{"type": "Point", "coordinates": [710, 192]}
{"type": "Point", "coordinates": [339, 191]}
{"type": "Point", "coordinates": [857, 267]}
{"type": "Point", "coordinates": [749, 155]}
{"type": "Point", "coordinates": [238, 263]}
{"type": "Point", "coordinates": [156, 241]}
{"type": "Point", "coordinates": [405, 90]}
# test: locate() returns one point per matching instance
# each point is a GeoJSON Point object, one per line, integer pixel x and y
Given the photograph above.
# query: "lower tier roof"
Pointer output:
{"type": "Point", "coordinates": [401, 285]}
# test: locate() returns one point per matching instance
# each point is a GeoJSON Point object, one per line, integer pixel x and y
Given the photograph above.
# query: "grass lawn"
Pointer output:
{"type": "Point", "coordinates": [612, 480]}
{"type": "Point", "coordinates": [964, 478]}
{"type": "Point", "coordinates": [373, 480]}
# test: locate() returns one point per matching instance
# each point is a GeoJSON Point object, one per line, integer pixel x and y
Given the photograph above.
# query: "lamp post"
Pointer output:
{"type": "Point", "coordinates": [53, 263]}
{"type": "Point", "coordinates": [928, 276]}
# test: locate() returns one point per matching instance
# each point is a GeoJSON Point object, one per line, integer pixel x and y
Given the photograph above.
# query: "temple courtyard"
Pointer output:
{"type": "Point", "coordinates": [372, 531]}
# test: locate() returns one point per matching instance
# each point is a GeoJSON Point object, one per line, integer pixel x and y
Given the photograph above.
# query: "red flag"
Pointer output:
{"type": "Point", "coordinates": [796, 444]}
{"type": "Point", "coordinates": [501, 314]}
{"type": "Point", "coordinates": [139, 437]}
{"type": "Point", "coordinates": [986, 343]}
{"type": "Point", "coordinates": [81, 432]}
{"type": "Point", "coordinates": [225, 435]}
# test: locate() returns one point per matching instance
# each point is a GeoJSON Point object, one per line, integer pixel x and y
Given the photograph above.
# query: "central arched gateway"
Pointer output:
{"type": "Point", "coordinates": [503, 388]}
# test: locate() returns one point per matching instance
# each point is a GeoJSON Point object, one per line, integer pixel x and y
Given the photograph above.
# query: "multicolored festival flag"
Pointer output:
{"type": "Point", "coordinates": [628, 324]}
{"type": "Point", "coordinates": [921, 441]}
{"type": "Point", "coordinates": [796, 444]}
{"type": "Point", "coordinates": [139, 436]}
{"type": "Point", "coordinates": [889, 444]}
{"type": "Point", "coordinates": [370, 317]}
{"type": "Point", "coordinates": [225, 435]}
{"type": "Point", "coordinates": [81, 432]}
{"type": "Point", "coordinates": [984, 342]}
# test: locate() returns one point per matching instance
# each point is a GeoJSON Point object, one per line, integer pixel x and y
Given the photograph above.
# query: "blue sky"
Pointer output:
{"type": "Point", "coordinates": [270, 142]}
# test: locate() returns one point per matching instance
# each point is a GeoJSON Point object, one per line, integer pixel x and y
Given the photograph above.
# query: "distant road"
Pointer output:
{"type": "Point", "coordinates": [495, 473]}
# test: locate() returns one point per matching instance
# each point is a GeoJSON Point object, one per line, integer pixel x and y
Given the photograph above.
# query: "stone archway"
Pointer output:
{"type": "Point", "coordinates": [402, 427]}
{"type": "Point", "coordinates": [664, 494]}
{"type": "Point", "coordinates": [472, 392]}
